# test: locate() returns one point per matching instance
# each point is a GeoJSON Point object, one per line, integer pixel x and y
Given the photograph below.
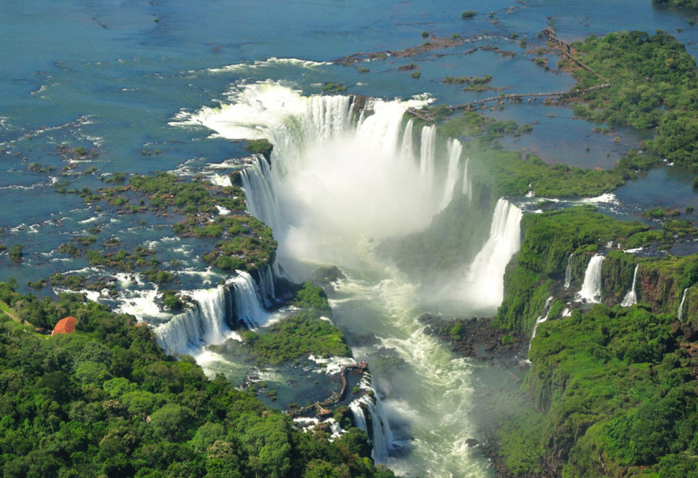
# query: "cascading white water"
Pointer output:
{"type": "Point", "coordinates": [540, 320]}
{"type": "Point", "coordinates": [339, 195]}
{"type": "Point", "coordinates": [406, 150]}
{"type": "Point", "coordinates": [467, 182]}
{"type": "Point", "coordinates": [454, 149]}
{"type": "Point", "coordinates": [266, 285]}
{"type": "Point", "coordinates": [683, 299]}
{"type": "Point", "coordinates": [248, 303]}
{"type": "Point", "coordinates": [260, 197]}
{"type": "Point", "coordinates": [221, 180]}
{"type": "Point", "coordinates": [568, 272]}
{"type": "Point", "coordinates": [631, 297]}
{"type": "Point", "coordinates": [427, 153]}
{"type": "Point", "coordinates": [382, 436]}
{"type": "Point", "coordinates": [591, 288]}
{"type": "Point", "coordinates": [205, 323]}
{"type": "Point", "coordinates": [483, 284]}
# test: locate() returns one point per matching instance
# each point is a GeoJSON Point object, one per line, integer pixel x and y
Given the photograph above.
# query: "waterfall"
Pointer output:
{"type": "Point", "coordinates": [631, 297]}
{"type": "Point", "coordinates": [427, 153]}
{"type": "Point", "coordinates": [454, 151]}
{"type": "Point", "coordinates": [484, 280]}
{"type": "Point", "coordinates": [467, 183]}
{"type": "Point", "coordinates": [683, 299]}
{"type": "Point", "coordinates": [266, 285]}
{"type": "Point", "coordinates": [221, 180]}
{"type": "Point", "coordinates": [540, 320]}
{"type": "Point", "coordinates": [260, 197]}
{"type": "Point", "coordinates": [406, 150]}
{"type": "Point", "coordinates": [204, 323]}
{"type": "Point", "coordinates": [591, 288]}
{"type": "Point", "coordinates": [248, 303]}
{"type": "Point", "coordinates": [568, 272]}
{"type": "Point", "coordinates": [381, 434]}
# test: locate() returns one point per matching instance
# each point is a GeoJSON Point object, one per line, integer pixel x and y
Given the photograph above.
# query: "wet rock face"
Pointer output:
{"type": "Point", "coordinates": [475, 337]}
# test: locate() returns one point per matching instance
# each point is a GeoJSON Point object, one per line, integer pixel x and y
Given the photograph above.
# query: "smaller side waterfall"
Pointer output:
{"type": "Point", "coordinates": [484, 281]}
{"type": "Point", "coordinates": [406, 149]}
{"type": "Point", "coordinates": [260, 196]}
{"type": "Point", "coordinates": [380, 433]}
{"type": "Point", "coordinates": [248, 303]}
{"type": "Point", "coordinates": [266, 285]}
{"type": "Point", "coordinates": [683, 299]}
{"type": "Point", "coordinates": [454, 151]}
{"type": "Point", "coordinates": [206, 322]}
{"type": "Point", "coordinates": [631, 297]}
{"type": "Point", "coordinates": [467, 183]}
{"type": "Point", "coordinates": [221, 180]}
{"type": "Point", "coordinates": [591, 288]}
{"type": "Point", "coordinates": [568, 272]}
{"type": "Point", "coordinates": [540, 320]}
{"type": "Point", "coordinates": [427, 155]}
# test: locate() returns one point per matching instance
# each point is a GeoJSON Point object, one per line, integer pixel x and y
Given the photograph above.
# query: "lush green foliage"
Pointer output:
{"type": "Point", "coordinates": [303, 333]}
{"type": "Point", "coordinates": [106, 401]}
{"type": "Point", "coordinates": [655, 85]}
{"type": "Point", "coordinates": [618, 394]}
{"type": "Point", "coordinates": [549, 239]}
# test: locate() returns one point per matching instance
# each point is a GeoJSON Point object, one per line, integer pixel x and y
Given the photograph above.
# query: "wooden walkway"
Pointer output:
{"type": "Point", "coordinates": [519, 97]}
{"type": "Point", "coordinates": [566, 50]}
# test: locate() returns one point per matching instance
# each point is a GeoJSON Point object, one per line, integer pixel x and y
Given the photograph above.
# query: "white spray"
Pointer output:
{"type": "Point", "coordinates": [631, 297]}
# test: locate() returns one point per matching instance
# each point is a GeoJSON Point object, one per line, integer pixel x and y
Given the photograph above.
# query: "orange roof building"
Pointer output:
{"type": "Point", "coordinates": [65, 326]}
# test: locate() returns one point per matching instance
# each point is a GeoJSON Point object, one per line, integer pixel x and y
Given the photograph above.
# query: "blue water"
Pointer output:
{"type": "Point", "coordinates": [112, 76]}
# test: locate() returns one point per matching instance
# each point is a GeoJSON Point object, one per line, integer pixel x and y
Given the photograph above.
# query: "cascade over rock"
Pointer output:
{"type": "Point", "coordinates": [591, 288]}
{"type": "Point", "coordinates": [568, 272]}
{"type": "Point", "coordinates": [454, 149]}
{"type": "Point", "coordinates": [260, 195]}
{"type": "Point", "coordinates": [631, 297]}
{"type": "Point", "coordinates": [215, 311]}
{"type": "Point", "coordinates": [483, 284]}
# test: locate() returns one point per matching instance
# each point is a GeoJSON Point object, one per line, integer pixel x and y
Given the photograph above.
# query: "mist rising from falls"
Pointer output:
{"type": "Point", "coordinates": [454, 149]}
{"type": "Point", "coordinates": [483, 281]}
{"type": "Point", "coordinates": [591, 288]}
{"type": "Point", "coordinates": [631, 297]}
{"type": "Point", "coordinates": [568, 272]}
{"type": "Point", "coordinates": [336, 183]}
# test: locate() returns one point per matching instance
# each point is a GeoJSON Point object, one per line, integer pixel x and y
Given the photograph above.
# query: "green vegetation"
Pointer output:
{"type": "Point", "coordinates": [549, 239]}
{"type": "Point", "coordinates": [333, 88]}
{"type": "Point", "coordinates": [243, 242]}
{"type": "Point", "coordinates": [106, 401]}
{"type": "Point", "coordinates": [655, 85]}
{"type": "Point", "coordinates": [416, 74]}
{"type": "Point", "coordinates": [679, 3]}
{"type": "Point", "coordinates": [614, 394]}
{"type": "Point", "coordinates": [301, 334]}
{"type": "Point", "coordinates": [468, 14]}
{"type": "Point", "coordinates": [259, 146]}
{"type": "Point", "coordinates": [16, 253]}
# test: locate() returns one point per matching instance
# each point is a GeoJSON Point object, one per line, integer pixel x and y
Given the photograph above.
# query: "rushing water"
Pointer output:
{"type": "Point", "coordinates": [146, 95]}
{"type": "Point", "coordinates": [591, 287]}
{"type": "Point", "coordinates": [630, 298]}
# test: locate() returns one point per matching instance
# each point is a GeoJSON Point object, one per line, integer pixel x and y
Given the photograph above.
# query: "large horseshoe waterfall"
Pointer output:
{"type": "Point", "coordinates": [342, 178]}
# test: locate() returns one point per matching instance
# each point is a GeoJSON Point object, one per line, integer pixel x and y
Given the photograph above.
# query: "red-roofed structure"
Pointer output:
{"type": "Point", "coordinates": [65, 326]}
